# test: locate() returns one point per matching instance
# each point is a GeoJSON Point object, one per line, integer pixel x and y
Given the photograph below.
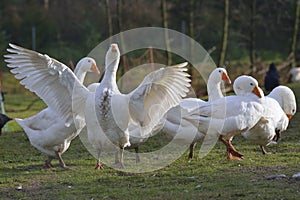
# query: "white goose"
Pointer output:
{"type": "Point", "coordinates": [228, 116]}
{"type": "Point", "coordinates": [51, 130]}
{"type": "Point", "coordinates": [176, 125]}
{"type": "Point", "coordinates": [295, 74]}
{"type": "Point", "coordinates": [109, 113]}
{"type": "Point", "coordinates": [280, 106]}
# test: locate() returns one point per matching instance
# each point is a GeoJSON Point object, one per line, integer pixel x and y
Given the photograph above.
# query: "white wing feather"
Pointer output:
{"type": "Point", "coordinates": [48, 78]}
{"type": "Point", "coordinates": [159, 91]}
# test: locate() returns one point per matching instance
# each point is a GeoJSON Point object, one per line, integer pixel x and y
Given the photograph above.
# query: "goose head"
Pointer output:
{"type": "Point", "coordinates": [218, 75]}
{"type": "Point", "coordinates": [87, 64]}
{"type": "Point", "coordinates": [112, 55]}
{"type": "Point", "coordinates": [244, 85]}
{"type": "Point", "coordinates": [286, 99]}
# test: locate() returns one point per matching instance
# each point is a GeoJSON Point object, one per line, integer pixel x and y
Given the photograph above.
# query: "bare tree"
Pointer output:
{"type": "Point", "coordinates": [191, 17]}
{"type": "Point", "coordinates": [109, 19]}
{"type": "Point", "coordinates": [225, 33]}
{"type": "Point", "coordinates": [46, 4]}
{"type": "Point", "coordinates": [252, 36]}
{"type": "Point", "coordinates": [120, 27]}
{"type": "Point", "coordinates": [191, 30]}
{"type": "Point", "coordinates": [295, 33]}
{"type": "Point", "coordinates": [164, 14]}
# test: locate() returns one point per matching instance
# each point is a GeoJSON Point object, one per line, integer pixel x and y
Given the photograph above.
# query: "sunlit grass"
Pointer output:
{"type": "Point", "coordinates": [213, 177]}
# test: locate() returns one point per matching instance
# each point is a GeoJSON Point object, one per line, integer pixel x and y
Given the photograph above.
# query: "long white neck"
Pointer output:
{"type": "Point", "coordinates": [80, 73]}
{"type": "Point", "coordinates": [214, 90]}
{"type": "Point", "coordinates": [110, 75]}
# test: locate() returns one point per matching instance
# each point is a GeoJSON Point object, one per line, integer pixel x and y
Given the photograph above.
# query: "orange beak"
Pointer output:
{"type": "Point", "coordinates": [257, 92]}
{"type": "Point", "coordinates": [226, 78]}
{"type": "Point", "coordinates": [94, 68]}
{"type": "Point", "coordinates": [114, 47]}
{"type": "Point", "coordinates": [289, 116]}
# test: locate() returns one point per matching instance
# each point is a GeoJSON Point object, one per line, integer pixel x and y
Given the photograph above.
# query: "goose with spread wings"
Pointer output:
{"type": "Point", "coordinates": [51, 130]}
{"type": "Point", "coordinates": [109, 112]}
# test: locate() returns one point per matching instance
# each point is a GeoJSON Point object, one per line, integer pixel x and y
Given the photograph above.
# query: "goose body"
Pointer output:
{"type": "Point", "coordinates": [143, 107]}
{"type": "Point", "coordinates": [228, 116]}
{"type": "Point", "coordinates": [280, 106]}
{"type": "Point", "coordinates": [51, 130]}
{"type": "Point", "coordinates": [176, 123]}
{"type": "Point", "coordinates": [295, 74]}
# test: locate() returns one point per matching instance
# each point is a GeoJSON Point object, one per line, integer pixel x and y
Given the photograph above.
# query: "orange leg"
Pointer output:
{"type": "Point", "coordinates": [121, 165]}
{"type": "Point", "coordinates": [48, 163]}
{"type": "Point", "coordinates": [137, 156]}
{"type": "Point", "coordinates": [231, 150]}
{"type": "Point", "coordinates": [61, 162]}
{"type": "Point", "coordinates": [263, 150]}
{"type": "Point", "coordinates": [277, 136]}
{"type": "Point", "coordinates": [99, 165]}
{"type": "Point", "coordinates": [192, 147]}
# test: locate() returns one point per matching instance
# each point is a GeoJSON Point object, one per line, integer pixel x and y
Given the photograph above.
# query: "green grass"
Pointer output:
{"type": "Point", "coordinates": [213, 177]}
{"type": "Point", "coordinates": [19, 102]}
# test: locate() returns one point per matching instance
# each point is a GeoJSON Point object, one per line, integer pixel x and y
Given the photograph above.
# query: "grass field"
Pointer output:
{"type": "Point", "coordinates": [213, 177]}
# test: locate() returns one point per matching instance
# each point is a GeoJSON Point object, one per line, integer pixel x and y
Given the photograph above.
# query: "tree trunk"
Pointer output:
{"type": "Point", "coordinates": [225, 33]}
{"type": "Point", "coordinates": [109, 20]}
{"type": "Point", "coordinates": [252, 37]}
{"type": "Point", "coordinates": [191, 21]}
{"type": "Point", "coordinates": [295, 33]}
{"type": "Point", "coordinates": [165, 25]}
{"type": "Point", "coordinates": [191, 32]}
{"type": "Point", "coordinates": [120, 23]}
{"type": "Point", "coordinates": [120, 27]}
{"type": "Point", "coordinates": [46, 4]}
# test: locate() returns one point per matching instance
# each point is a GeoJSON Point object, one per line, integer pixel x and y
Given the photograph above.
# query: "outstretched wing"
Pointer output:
{"type": "Point", "coordinates": [159, 91]}
{"type": "Point", "coordinates": [48, 78]}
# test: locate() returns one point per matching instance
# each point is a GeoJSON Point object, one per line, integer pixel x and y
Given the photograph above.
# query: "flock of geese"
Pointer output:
{"type": "Point", "coordinates": [117, 121]}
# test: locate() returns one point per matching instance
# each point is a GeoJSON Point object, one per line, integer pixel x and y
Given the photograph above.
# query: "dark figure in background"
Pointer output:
{"type": "Point", "coordinates": [272, 78]}
{"type": "Point", "coordinates": [3, 120]}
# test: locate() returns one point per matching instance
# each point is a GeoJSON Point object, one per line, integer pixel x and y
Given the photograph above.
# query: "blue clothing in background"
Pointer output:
{"type": "Point", "coordinates": [272, 78]}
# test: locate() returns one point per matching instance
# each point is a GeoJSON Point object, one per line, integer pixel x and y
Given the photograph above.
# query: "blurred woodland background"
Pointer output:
{"type": "Point", "coordinates": [245, 36]}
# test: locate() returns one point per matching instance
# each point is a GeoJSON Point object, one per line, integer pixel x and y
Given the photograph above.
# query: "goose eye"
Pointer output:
{"type": "Point", "coordinates": [220, 71]}
{"type": "Point", "coordinates": [293, 110]}
{"type": "Point", "coordinates": [251, 84]}
{"type": "Point", "coordinates": [89, 61]}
